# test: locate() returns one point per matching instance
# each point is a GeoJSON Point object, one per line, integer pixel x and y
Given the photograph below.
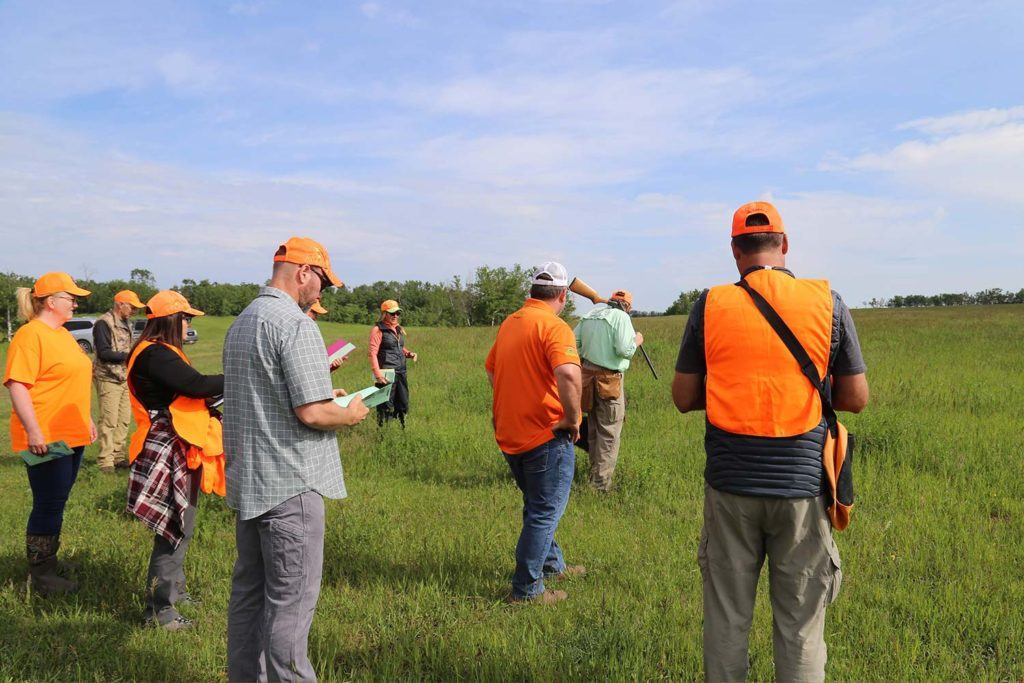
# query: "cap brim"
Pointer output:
{"type": "Point", "coordinates": [193, 311]}
{"type": "Point", "coordinates": [78, 291]}
{"type": "Point", "coordinates": [335, 280]}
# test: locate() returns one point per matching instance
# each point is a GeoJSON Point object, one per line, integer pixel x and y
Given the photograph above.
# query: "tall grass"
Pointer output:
{"type": "Point", "coordinates": [418, 557]}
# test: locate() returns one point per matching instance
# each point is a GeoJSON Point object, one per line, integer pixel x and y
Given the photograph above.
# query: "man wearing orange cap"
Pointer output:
{"type": "Point", "coordinates": [282, 454]}
{"type": "Point", "coordinates": [112, 340]}
{"type": "Point", "coordinates": [765, 491]}
{"type": "Point", "coordinates": [606, 341]}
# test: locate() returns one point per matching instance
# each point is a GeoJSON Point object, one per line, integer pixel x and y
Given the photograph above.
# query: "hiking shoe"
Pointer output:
{"type": "Point", "coordinates": [548, 597]}
{"type": "Point", "coordinates": [571, 571]}
{"type": "Point", "coordinates": [107, 469]}
{"type": "Point", "coordinates": [122, 465]}
{"type": "Point", "coordinates": [188, 599]}
{"type": "Point", "coordinates": [178, 623]}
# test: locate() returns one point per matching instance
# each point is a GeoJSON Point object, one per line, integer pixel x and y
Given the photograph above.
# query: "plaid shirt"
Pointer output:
{"type": "Point", "coordinates": [160, 482]}
{"type": "Point", "coordinates": [274, 361]}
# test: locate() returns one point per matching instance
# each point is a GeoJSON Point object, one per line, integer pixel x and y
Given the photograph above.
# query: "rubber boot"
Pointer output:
{"type": "Point", "coordinates": [42, 566]}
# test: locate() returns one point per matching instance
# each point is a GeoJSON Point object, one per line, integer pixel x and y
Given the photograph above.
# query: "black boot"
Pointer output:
{"type": "Point", "coordinates": [42, 566]}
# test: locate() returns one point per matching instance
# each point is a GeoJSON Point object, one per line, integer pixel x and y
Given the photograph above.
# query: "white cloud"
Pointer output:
{"type": "Point", "coordinates": [978, 119]}
{"type": "Point", "coordinates": [976, 155]}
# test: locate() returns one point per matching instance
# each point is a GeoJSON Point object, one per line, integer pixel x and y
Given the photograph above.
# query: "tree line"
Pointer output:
{"type": "Point", "coordinates": [986, 297]}
{"type": "Point", "coordinates": [492, 294]}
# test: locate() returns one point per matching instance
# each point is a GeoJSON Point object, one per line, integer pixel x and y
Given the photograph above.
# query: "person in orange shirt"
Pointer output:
{"type": "Point", "coordinates": [534, 371]}
{"type": "Point", "coordinates": [50, 381]}
{"type": "Point", "coordinates": [387, 351]}
{"type": "Point", "coordinates": [178, 440]}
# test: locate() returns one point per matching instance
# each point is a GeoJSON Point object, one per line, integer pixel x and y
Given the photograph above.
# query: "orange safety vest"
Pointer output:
{"type": "Point", "coordinates": [193, 424]}
{"type": "Point", "coordinates": [754, 385]}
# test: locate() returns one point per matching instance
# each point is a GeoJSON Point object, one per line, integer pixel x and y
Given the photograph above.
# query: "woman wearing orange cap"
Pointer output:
{"type": "Point", "coordinates": [50, 381]}
{"type": "Point", "coordinates": [178, 441]}
{"type": "Point", "coordinates": [387, 351]}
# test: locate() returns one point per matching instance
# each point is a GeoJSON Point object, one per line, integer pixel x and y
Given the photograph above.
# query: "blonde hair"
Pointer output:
{"type": "Point", "coordinates": [28, 306]}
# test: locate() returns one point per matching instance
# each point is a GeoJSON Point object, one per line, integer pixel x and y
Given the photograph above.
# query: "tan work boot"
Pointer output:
{"type": "Point", "coordinates": [42, 566]}
{"type": "Point", "coordinates": [571, 571]}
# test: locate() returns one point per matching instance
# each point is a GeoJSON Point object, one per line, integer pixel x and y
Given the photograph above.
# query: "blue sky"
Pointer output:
{"type": "Point", "coordinates": [418, 140]}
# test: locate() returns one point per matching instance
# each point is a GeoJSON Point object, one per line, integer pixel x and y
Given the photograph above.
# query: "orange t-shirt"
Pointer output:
{"type": "Point", "coordinates": [531, 343]}
{"type": "Point", "coordinates": [58, 375]}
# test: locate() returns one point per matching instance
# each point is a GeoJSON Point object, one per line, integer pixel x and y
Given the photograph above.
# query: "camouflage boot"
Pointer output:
{"type": "Point", "coordinates": [42, 566]}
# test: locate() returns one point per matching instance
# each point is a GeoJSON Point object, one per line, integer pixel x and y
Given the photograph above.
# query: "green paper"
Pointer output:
{"type": "Point", "coordinates": [372, 396]}
{"type": "Point", "coordinates": [57, 449]}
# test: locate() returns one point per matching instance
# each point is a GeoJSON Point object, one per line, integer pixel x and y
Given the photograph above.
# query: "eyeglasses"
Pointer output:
{"type": "Point", "coordinates": [187, 318]}
{"type": "Point", "coordinates": [325, 281]}
{"type": "Point", "coordinates": [66, 297]}
{"type": "Point", "coordinates": [396, 313]}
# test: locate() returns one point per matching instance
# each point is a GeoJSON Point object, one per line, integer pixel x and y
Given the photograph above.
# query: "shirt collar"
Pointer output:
{"type": "Point", "coordinates": [538, 304]}
{"type": "Point", "coordinates": [751, 269]}
{"type": "Point", "coordinates": [274, 292]}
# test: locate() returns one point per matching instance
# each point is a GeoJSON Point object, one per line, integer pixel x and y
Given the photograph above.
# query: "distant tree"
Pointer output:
{"type": "Point", "coordinates": [497, 292]}
{"type": "Point", "coordinates": [142, 277]}
{"type": "Point", "coordinates": [8, 283]}
{"type": "Point", "coordinates": [683, 303]}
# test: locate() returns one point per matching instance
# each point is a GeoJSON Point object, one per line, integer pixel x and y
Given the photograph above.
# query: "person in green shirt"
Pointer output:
{"type": "Point", "coordinates": [606, 342]}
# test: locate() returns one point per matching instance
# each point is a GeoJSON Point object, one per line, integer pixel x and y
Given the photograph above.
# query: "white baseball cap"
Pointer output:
{"type": "Point", "coordinates": [557, 275]}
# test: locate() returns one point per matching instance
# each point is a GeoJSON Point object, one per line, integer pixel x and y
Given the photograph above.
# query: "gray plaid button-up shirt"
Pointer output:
{"type": "Point", "coordinates": [274, 361]}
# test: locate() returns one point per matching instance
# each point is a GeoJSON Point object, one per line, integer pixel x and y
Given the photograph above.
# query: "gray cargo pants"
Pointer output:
{"type": "Point", "coordinates": [803, 572]}
{"type": "Point", "coordinates": [165, 579]}
{"type": "Point", "coordinates": [274, 590]}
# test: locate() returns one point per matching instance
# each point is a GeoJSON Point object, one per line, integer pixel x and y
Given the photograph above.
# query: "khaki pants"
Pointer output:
{"type": "Point", "coordinates": [605, 427]}
{"type": "Point", "coordinates": [804, 577]}
{"type": "Point", "coordinates": [115, 419]}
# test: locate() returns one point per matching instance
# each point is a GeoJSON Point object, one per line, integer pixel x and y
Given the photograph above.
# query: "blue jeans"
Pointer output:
{"type": "Point", "coordinates": [544, 475]}
{"type": "Point", "coordinates": [51, 484]}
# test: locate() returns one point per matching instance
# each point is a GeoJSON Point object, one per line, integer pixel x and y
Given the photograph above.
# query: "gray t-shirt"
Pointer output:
{"type": "Point", "coordinates": [274, 361]}
{"type": "Point", "coordinates": [847, 360]}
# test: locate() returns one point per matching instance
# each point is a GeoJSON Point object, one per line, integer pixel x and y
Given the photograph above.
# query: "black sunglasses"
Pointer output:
{"type": "Point", "coordinates": [187, 318]}
{"type": "Point", "coordinates": [325, 281]}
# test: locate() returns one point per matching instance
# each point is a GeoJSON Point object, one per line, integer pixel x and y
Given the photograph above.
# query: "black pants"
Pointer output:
{"type": "Point", "coordinates": [398, 406]}
{"type": "Point", "coordinates": [51, 484]}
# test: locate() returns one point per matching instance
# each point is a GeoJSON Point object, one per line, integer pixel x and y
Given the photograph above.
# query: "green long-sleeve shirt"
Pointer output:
{"type": "Point", "coordinates": [605, 337]}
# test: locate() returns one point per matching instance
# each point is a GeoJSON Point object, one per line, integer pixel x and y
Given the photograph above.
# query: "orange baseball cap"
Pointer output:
{"type": "Point", "coordinates": [51, 283]}
{"type": "Point", "coordinates": [127, 296]}
{"type": "Point", "coordinates": [390, 306]}
{"type": "Point", "coordinates": [169, 302]}
{"type": "Point", "coordinates": [739, 219]}
{"type": "Point", "coordinates": [623, 295]}
{"type": "Point", "coordinates": [307, 252]}
{"type": "Point", "coordinates": [318, 309]}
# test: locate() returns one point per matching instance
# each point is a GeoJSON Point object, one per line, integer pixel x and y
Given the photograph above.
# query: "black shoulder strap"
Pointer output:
{"type": "Point", "coordinates": [807, 366]}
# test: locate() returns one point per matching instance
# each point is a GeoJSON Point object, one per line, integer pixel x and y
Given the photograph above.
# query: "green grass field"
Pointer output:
{"type": "Point", "coordinates": [418, 557]}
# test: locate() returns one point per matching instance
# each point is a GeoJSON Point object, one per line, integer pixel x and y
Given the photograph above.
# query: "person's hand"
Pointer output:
{"type": "Point", "coordinates": [414, 356]}
{"type": "Point", "coordinates": [572, 428]}
{"type": "Point", "coordinates": [639, 339]}
{"type": "Point", "coordinates": [357, 411]}
{"type": "Point", "coordinates": [379, 378]}
{"type": "Point", "coordinates": [336, 363]}
{"type": "Point", "coordinates": [36, 443]}
{"type": "Point", "coordinates": [93, 434]}
{"type": "Point", "coordinates": [338, 393]}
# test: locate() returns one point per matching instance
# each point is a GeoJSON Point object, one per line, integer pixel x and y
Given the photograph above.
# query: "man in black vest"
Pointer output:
{"type": "Point", "coordinates": [763, 495]}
